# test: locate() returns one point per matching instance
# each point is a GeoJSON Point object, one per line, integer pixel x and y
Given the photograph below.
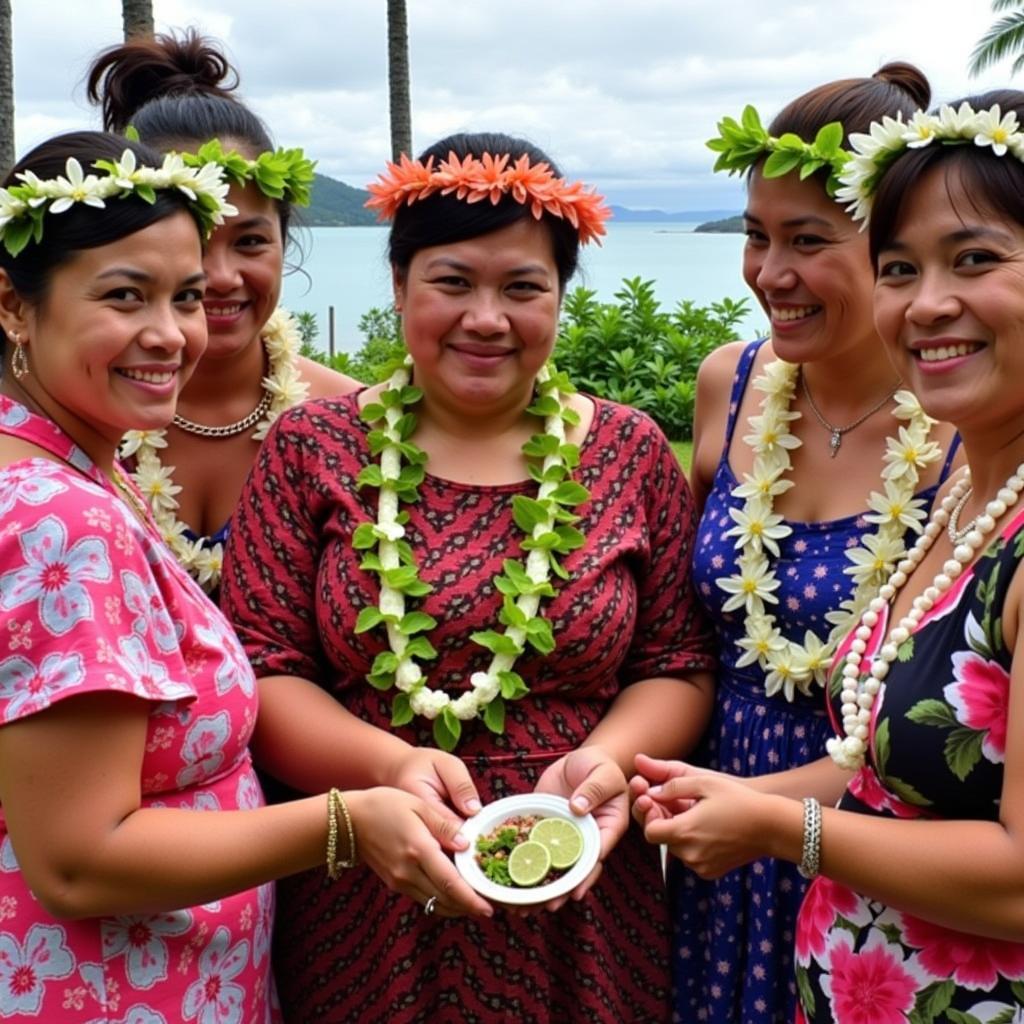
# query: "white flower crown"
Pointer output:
{"type": "Point", "coordinates": [874, 153]}
{"type": "Point", "coordinates": [22, 207]}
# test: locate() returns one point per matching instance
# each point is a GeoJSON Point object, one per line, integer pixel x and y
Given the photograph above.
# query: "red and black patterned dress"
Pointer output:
{"type": "Point", "coordinates": [353, 950]}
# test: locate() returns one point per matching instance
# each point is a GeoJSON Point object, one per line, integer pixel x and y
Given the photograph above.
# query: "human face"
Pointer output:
{"type": "Point", "coordinates": [118, 332]}
{"type": "Point", "coordinates": [809, 267]}
{"type": "Point", "coordinates": [481, 316]}
{"type": "Point", "coordinates": [949, 305]}
{"type": "Point", "coordinates": [243, 264]}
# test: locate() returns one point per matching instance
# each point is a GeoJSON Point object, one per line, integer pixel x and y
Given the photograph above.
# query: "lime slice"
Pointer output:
{"type": "Point", "coordinates": [562, 838]}
{"type": "Point", "coordinates": [528, 863]}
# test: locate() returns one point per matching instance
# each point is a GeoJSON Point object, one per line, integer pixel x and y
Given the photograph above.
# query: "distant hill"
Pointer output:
{"type": "Point", "coordinates": [625, 214]}
{"type": "Point", "coordinates": [335, 204]}
{"type": "Point", "coordinates": [729, 225]}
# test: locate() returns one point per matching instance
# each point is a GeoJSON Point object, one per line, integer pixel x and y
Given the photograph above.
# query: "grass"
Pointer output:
{"type": "Point", "coordinates": [684, 453]}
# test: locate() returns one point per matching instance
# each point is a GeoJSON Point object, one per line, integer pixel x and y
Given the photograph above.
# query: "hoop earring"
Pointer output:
{"type": "Point", "coordinates": [19, 361]}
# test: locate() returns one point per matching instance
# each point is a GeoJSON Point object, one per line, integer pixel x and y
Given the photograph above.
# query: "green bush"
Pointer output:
{"type": "Point", "coordinates": [629, 351]}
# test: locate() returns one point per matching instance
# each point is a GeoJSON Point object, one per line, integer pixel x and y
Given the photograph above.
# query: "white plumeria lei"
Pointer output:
{"type": "Point", "coordinates": [791, 666]}
{"type": "Point", "coordinates": [281, 341]}
{"type": "Point", "coordinates": [22, 207]}
{"type": "Point", "coordinates": [545, 520]}
{"type": "Point", "coordinates": [875, 152]}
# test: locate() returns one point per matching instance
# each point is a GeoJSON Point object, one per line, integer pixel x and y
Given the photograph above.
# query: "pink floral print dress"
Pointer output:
{"type": "Point", "coordinates": [938, 745]}
{"type": "Point", "coordinates": [90, 601]}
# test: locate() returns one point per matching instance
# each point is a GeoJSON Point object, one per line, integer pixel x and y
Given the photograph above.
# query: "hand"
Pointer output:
{"type": "Point", "coordinates": [403, 838]}
{"type": "Point", "coordinates": [594, 783]}
{"type": "Point", "coordinates": [653, 772]}
{"type": "Point", "coordinates": [724, 823]}
{"type": "Point", "coordinates": [441, 779]}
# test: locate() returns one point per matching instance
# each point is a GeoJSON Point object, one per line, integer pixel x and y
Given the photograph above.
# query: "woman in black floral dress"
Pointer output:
{"type": "Point", "coordinates": [918, 914]}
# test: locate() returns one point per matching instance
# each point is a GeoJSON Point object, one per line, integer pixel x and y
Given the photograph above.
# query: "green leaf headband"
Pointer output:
{"type": "Point", "coordinates": [279, 174]}
{"type": "Point", "coordinates": [891, 137]}
{"type": "Point", "coordinates": [741, 144]}
{"type": "Point", "coordinates": [23, 207]}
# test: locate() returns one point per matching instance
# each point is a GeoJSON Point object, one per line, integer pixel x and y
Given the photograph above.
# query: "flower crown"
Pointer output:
{"type": "Point", "coordinates": [491, 177]}
{"type": "Point", "coordinates": [741, 144]}
{"type": "Point", "coordinates": [279, 174]}
{"type": "Point", "coordinates": [874, 153]}
{"type": "Point", "coordinates": [22, 207]}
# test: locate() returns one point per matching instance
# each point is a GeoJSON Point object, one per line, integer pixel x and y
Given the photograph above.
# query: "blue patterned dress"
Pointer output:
{"type": "Point", "coordinates": [733, 937]}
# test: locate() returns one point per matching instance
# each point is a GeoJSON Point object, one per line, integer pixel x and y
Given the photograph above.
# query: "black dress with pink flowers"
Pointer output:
{"type": "Point", "coordinates": [938, 744]}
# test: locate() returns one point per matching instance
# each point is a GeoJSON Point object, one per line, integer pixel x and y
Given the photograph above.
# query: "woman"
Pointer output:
{"type": "Point", "coordinates": [484, 240]}
{"type": "Point", "coordinates": [916, 915]}
{"type": "Point", "coordinates": [797, 443]}
{"type": "Point", "coordinates": [176, 94]}
{"type": "Point", "coordinates": [126, 703]}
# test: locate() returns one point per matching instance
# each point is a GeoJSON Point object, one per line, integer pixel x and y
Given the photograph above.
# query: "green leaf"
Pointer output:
{"type": "Point", "coordinates": [529, 513]}
{"type": "Point", "coordinates": [906, 792]}
{"type": "Point", "coordinates": [446, 735]}
{"type": "Point", "coordinates": [540, 446]}
{"type": "Point", "coordinates": [368, 618]}
{"type": "Point", "coordinates": [496, 643]}
{"type": "Point", "coordinates": [405, 426]}
{"type": "Point", "coordinates": [401, 710]}
{"type": "Point", "coordinates": [1018, 991]}
{"type": "Point", "coordinates": [546, 405]}
{"type": "Point", "coordinates": [513, 686]}
{"type": "Point", "coordinates": [905, 651]}
{"type": "Point", "coordinates": [882, 745]}
{"type": "Point", "coordinates": [400, 577]}
{"type": "Point", "coordinates": [963, 751]}
{"type": "Point", "coordinates": [542, 542]}
{"type": "Point", "coordinates": [385, 662]}
{"type": "Point", "coordinates": [418, 588]}
{"type": "Point", "coordinates": [381, 680]}
{"type": "Point", "coordinates": [803, 987]}
{"type": "Point", "coordinates": [363, 537]}
{"type": "Point", "coordinates": [829, 139]}
{"type": "Point", "coordinates": [372, 411]}
{"type": "Point", "coordinates": [540, 635]}
{"type": "Point", "coordinates": [370, 476]}
{"type": "Point", "coordinates": [556, 567]}
{"type": "Point", "coordinates": [420, 647]}
{"type": "Point", "coordinates": [808, 167]}
{"type": "Point", "coordinates": [959, 1017]}
{"type": "Point", "coordinates": [779, 163]}
{"type": "Point", "coordinates": [511, 614]}
{"type": "Point", "coordinates": [933, 712]}
{"type": "Point", "coordinates": [935, 998]}
{"type": "Point", "coordinates": [569, 539]}
{"type": "Point", "coordinates": [416, 622]}
{"type": "Point", "coordinates": [569, 493]}
{"type": "Point", "coordinates": [494, 716]}
{"type": "Point", "coordinates": [371, 563]}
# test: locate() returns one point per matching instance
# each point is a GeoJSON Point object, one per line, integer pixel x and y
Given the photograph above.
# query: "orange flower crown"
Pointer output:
{"type": "Point", "coordinates": [490, 177]}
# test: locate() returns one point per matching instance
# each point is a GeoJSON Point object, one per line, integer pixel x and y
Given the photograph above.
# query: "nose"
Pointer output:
{"type": "Point", "coordinates": [933, 300]}
{"type": "Point", "coordinates": [222, 274]}
{"type": "Point", "coordinates": [164, 329]}
{"type": "Point", "coordinates": [775, 272]}
{"type": "Point", "coordinates": [485, 314]}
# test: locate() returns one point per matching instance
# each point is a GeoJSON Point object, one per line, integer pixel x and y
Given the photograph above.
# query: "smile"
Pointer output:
{"type": "Point", "coordinates": [941, 352]}
{"type": "Point", "coordinates": [793, 313]}
{"type": "Point", "coordinates": [149, 376]}
{"type": "Point", "coordinates": [227, 309]}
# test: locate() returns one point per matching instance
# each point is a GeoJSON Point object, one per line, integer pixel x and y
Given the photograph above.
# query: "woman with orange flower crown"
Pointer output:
{"type": "Point", "coordinates": [916, 913]}
{"type": "Point", "coordinates": [172, 93]}
{"type": "Point", "coordinates": [814, 467]}
{"type": "Point", "coordinates": [474, 582]}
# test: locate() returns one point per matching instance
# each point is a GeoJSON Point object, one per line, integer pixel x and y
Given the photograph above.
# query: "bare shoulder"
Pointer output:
{"type": "Point", "coordinates": [719, 367]}
{"type": "Point", "coordinates": [325, 382]}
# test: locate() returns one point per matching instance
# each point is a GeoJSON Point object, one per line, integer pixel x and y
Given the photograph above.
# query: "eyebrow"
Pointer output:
{"type": "Point", "coordinates": [141, 277]}
{"type": "Point", "coordinates": [256, 221]}
{"type": "Point", "coordinates": [465, 268]}
{"type": "Point", "coordinates": [966, 234]}
{"type": "Point", "coordinates": [793, 222]}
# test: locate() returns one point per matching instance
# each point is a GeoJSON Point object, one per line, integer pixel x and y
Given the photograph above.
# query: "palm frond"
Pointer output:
{"type": "Point", "coordinates": [1005, 5]}
{"type": "Point", "coordinates": [1003, 39]}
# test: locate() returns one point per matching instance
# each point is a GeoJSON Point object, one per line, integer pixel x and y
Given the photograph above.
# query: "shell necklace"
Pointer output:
{"type": "Point", "coordinates": [861, 685]}
{"type": "Point", "coordinates": [789, 665]}
{"type": "Point", "coordinates": [282, 389]}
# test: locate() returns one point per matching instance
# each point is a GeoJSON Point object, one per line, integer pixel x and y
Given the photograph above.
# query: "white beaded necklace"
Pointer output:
{"type": "Point", "coordinates": [862, 686]}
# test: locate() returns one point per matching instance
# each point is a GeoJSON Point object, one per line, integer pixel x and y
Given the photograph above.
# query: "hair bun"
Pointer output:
{"type": "Point", "coordinates": [124, 78]}
{"type": "Point", "coordinates": [909, 78]}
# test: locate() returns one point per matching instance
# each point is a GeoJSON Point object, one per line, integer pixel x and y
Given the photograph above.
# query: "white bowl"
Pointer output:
{"type": "Point", "coordinates": [546, 805]}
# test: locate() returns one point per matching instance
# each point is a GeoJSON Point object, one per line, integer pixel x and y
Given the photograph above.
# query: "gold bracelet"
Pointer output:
{"type": "Point", "coordinates": [335, 807]}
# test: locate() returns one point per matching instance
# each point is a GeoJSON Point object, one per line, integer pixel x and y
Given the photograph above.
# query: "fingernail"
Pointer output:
{"type": "Point", "coordinates": [654, 790]}
{"type": "Point", "coordinates": [581, 804]}
{"type": "Point", "coordinates": [460, 840]}
{"type": "Point", "coordinates": [473, 806]}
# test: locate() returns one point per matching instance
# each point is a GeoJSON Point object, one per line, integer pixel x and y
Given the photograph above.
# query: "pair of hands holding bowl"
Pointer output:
{"type": "Point", "coordinates": [591, 782]}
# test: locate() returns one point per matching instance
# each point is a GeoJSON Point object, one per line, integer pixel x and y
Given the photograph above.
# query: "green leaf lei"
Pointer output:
{"type": "Point", "coordinates": [280, 174]}
{"type": "Point", "coordinates": [741, 144]}
{"type": "Point", "coordinates": [546, 522]}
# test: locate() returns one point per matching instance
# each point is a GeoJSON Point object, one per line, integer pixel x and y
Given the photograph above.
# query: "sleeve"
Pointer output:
{"type": "Point", "coordinates": [74, 568]}
{"type": "Point", "coordinates": [672, 636]}
{"type": "Point", "coordinates": [268, 587]}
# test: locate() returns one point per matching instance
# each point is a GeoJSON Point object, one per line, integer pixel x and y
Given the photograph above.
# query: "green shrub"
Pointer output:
{"type": "Point", "coordinates": [629, 351]}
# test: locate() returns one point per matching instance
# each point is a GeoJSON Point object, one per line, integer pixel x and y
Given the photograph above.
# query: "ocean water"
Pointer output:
{"type": "Point", "coordinates": [347, 268]}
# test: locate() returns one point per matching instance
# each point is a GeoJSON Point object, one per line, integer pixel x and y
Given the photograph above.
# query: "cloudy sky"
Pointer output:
{"type": "Point", "coordinates": [622, 93]}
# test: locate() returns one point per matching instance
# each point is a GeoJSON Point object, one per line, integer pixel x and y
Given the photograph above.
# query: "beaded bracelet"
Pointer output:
{"type": "Point", "coordinates": [335, 808]}
{"type": "Point", "coordinates": [810, 857]}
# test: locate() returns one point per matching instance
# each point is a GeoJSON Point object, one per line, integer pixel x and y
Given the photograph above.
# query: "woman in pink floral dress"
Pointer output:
{"type": "Point", "coordinates": [126, 703]}
{"type": "Point", "coordinates": [917, 913]}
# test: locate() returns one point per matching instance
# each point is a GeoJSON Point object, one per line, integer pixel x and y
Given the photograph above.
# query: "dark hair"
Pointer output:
{"type": "Point", "coordinates": [82, 226]}
{"type": "Point", "coordinates": [986, 180]}
{"type": "Point", "coordinates": [176, 90]}
{"type": "Point", "coordinates": [440, 220]}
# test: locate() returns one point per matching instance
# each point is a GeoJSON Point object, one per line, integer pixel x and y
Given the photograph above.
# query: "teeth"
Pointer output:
{"type": "Point", "coordinates": [224, 310]}
{"type": "Point", "coordinates": [937, 354]}
{"type": "Point", "coordinates": [148, 377]}
{"type": "Point", "coordinates": [794, 312]}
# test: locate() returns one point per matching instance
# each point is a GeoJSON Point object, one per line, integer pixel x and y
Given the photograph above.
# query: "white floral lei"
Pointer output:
{"type": "Point", "coordinates": [203, 560]}
{"type": "Point", "coordinates": [545, 520]}
{"type": "Point", "coordinates": [788, 664]}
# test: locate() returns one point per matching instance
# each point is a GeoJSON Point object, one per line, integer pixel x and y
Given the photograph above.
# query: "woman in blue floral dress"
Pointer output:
{"type": "Point", "coordinates": [807, 263]}
{"type": "Point", "coordinates": [916, 915]}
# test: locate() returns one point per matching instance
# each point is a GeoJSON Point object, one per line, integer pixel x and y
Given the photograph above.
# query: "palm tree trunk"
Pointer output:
{"type": "Point", "coordinates": [398, 79]}
{"type": "Point", "coordinates": [6, 90]}
{"type": "Point", "coordinates": [137, 17]}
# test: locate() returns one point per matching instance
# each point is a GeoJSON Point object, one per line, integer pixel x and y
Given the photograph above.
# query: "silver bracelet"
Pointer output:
{"type": "Point", "coordinates": [810, 858]}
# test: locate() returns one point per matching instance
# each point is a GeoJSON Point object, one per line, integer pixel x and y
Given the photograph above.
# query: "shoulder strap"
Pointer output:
{"type": "Point", "coordinates": [739, 387]}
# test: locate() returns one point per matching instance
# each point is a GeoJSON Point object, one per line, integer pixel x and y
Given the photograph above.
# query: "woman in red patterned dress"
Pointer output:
{"type": "Point", "coordinates": [485, 237]}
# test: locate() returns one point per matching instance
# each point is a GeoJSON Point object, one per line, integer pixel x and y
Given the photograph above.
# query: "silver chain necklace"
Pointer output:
{"type": "Point", "coordinates": [229, 429]}
{"type": "Point", "coordinates": [836, 433]}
